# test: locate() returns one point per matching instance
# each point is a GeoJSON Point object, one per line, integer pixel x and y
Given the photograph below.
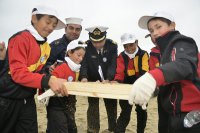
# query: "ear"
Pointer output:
{"type": "Point", "coordinates": [173, 25]}
{"type": "Point", "coordinates": [33, 19]}
{"type": "Point", "coordinates": [69, 53]}
{"type": "Point", "coordinates": [66, 28]}
{"type": "Point", "coordinates": [136, 42]}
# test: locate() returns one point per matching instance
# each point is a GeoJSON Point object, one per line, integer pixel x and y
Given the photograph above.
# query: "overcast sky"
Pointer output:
{"type": "Point", "coordinates": [119, 15]}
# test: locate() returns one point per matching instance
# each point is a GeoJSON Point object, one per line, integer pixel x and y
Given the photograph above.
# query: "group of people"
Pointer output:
{"type": "Point", "coordinates": [32, 64]}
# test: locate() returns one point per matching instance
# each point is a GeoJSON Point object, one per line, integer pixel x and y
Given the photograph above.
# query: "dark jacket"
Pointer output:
{"type": "Point", "coordinates": [107, 61]}
{"type": "Point", "coordinates": [1, 64]}
{"type": "Point", "coordinates": [179, 90]}
{"type": "Point", "coordinates": [58, 51]}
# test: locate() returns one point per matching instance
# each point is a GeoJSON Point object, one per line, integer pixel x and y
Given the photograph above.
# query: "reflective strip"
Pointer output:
{"type": "Point", "coordinates": [131, 72]}
{"type": "Point", "coordinates": [145, 62]}
{"type": "Point", "coordinates": [77, 76]}
{"type": "Point", "coordinates": [135, 61]}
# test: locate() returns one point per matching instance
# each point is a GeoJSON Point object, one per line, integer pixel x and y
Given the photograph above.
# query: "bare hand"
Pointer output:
{"type": "Point", "coordinates": [84, 80]}
{"type": "Point", "coordinates": [2, 51]}
{"type": "Point", "coordinates": [114, 82]}
{"type": "Point", "coordinates": [57, 86]}
{"type": "Point", "coordinates": [52, 67]}
{"type": "Point", "coordinates": [105, 81]}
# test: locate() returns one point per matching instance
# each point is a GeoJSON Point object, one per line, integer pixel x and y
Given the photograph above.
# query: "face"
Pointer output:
{"type": "Point", "coordinates": [73, 31]}
{"type": "Point", "coordinates": [130, 48]}
{"type": "Point", "coordinates": [45, 25]}
{"type": "Point", "coordinates": [159, 28]}
{"type": "Point", "coordinates": [77, 56]}
{"type": "Point", "coordinates": [99, 45]}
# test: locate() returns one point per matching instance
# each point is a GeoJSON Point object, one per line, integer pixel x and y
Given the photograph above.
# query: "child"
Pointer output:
{"type": "Point", "coordinates": [131, 64]}
{"type": "Point", "coordinates": [59, 116]}
{"type": "Point", "coordinates": [20, 77]}
{"type": "Point", "coordinates": [176, 78]}
{"type": "Point", "coordinates": [154, 62]}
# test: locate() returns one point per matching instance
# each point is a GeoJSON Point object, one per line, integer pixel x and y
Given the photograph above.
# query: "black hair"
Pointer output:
{"type": "Point", "coordinates": [161, 19]}
{"type": "Point", "coordinates": [39, 16]}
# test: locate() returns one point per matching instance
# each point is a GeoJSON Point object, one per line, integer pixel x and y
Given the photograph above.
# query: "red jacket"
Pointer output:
{"type": "Point", "coordinates": [24, 53]}
{"type": "Point", "coordinates": [20, 76]}
{"type": "Point", "coordinates": [154, 59]}
{"type": "Point", "coordinates": [135, 68]}
{"type": "Point", "coordinates": [63, 71]}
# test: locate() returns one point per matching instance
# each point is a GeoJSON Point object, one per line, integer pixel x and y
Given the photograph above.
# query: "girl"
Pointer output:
{"type": "Point", "coordinates": [61, 116]}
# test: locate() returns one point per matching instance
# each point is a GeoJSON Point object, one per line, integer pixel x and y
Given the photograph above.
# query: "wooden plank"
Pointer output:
{"type": "Point", "coordinates": [97, 89]}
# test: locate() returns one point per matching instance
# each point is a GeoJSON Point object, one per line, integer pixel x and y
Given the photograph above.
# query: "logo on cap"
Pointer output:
{"type": "Point", "coordinates": [96, 32]}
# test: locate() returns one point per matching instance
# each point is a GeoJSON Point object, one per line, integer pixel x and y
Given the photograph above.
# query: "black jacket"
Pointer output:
{"type": "Point", "coordinates": [179, 59]}
{"type": "Point", "coordinates": [91, 61]}
{"type": "Point", "coordinates": [1, 64]}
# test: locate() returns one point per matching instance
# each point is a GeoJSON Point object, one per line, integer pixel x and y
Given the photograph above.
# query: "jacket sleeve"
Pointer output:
{"type": "Point", "coordinates": [119, 76]}
{"type": "Point", "coordinates": [1, 64]}
{"type": "Point", "coordinates": [84, 68]}
{"type": "Point", "coordinates": [153, 62]}
{"type": "Point", "coordinates": [18, 50]}
{"type": "Point", "coordinates": [112, 67]}
{"type": "Point", "coordinates": [183, 65]}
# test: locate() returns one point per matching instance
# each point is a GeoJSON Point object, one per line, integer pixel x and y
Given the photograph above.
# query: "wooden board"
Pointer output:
{"type": "Point", "coordinates": [95, 89]}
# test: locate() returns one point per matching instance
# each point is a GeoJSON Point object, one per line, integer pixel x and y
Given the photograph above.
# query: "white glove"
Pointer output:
{"type": "Point", "coordinates": [142, 90]}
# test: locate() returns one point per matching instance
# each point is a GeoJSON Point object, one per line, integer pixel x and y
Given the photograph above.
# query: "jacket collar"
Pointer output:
{"type": "Point", "coordinates": [164, 41]}
{"type": "Point", "coordinates": [39, 39]}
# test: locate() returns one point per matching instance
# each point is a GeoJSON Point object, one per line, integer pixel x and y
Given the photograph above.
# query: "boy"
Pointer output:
{"type": "Point", "coordinates": [131, 64]}
{"type": "Point", "coordinates": [179, 85]}
{"type": "Point", "coordinates": [20, 77]}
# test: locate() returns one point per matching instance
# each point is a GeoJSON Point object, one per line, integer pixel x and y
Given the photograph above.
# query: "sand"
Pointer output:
{"type": "Point", "coordinates": [81, 119]}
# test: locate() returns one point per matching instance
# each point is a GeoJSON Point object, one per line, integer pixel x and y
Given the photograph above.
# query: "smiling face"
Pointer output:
{"type": "Point", "coordinates": [130, 48]}
{"type": "Point", "coordinates": [77, 55]}
{"type": "Point", "coordinates": [73, 31]}
{"type": "Point", "coordinates": [45, 24]}
{"type": "Point", "coordinates": [158, 27]}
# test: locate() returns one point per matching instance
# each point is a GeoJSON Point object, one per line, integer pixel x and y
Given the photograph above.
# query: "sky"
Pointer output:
{"type": "Point", "coordinates": [120, 16]}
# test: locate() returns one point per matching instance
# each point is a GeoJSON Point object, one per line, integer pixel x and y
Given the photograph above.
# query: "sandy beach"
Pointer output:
{"type": "Point", "coordinates": [81, 120]}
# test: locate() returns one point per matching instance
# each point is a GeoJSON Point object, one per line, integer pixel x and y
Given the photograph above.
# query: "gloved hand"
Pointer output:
{"type": "Point", "coordinates": [142, 90]}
